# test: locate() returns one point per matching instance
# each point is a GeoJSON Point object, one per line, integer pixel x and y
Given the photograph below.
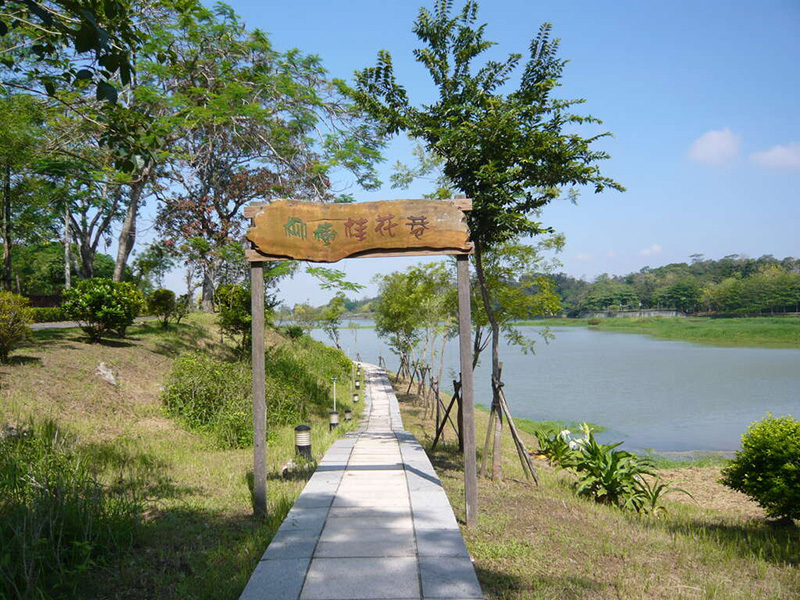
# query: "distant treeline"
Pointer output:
{"type": "Point", "coordinates": [733, 285]}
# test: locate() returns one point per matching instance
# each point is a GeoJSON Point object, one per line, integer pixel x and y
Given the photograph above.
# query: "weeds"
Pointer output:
{"type": "Point", "coordinates": [57, 519]}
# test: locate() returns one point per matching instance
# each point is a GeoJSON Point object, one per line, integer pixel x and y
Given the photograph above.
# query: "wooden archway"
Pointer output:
{"type": "Point", "coordinates": [312, 231]}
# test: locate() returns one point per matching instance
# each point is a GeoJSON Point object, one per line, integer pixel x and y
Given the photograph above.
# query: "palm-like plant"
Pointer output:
{"type": "Point", "coordinates": [607, 475]}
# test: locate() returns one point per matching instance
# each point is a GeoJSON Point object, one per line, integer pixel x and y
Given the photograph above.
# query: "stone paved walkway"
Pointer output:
{"type": "Point", "coordinates": [372, 523]}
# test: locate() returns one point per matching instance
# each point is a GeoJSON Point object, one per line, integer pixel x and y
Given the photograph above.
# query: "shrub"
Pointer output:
{"type": "Point", "coordinates": [56, 518]}
{"type": "Point", "coordinates": [47, 314]}
{"type": "Point", "coordinates": [607, 475]}
{"type": "Point", "coordinates": [15, 315]}
{"type": "Point", "coordinates": [161, 304]}
{"type": "Point", "coordinates": [293, 332]}
{"type": "Point", "coordinates": [183, 305]}
{"type": "Point", "coordinates": [767, 468]}
{"type": "Point", "coordinates": [102, 306]}
{"type": "Point", "coordinates": [234, 313]}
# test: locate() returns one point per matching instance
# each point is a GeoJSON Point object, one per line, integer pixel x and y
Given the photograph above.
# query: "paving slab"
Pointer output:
{"type": "Point", "coordinates": [372, 523]}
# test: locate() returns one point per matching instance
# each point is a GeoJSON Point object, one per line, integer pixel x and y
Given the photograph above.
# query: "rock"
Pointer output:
{"type": "Point", "coordinates": [106, 374]}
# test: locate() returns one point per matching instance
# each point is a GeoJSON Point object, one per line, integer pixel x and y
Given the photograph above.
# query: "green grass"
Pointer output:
{"type": "Point", "coordinates": [196, 536]}
{"type": "Point", "coordinates": [764, 332]}
{"type": "Point", "coordinates": [530, 426]}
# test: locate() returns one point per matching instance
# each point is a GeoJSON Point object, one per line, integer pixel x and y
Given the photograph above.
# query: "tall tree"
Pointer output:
{"type": "Point", "coordinates": [260, 124]}
{"type": "Point", "coordinates": [21, 137]}
{"type": "Point", "coordinates": [509, 152]}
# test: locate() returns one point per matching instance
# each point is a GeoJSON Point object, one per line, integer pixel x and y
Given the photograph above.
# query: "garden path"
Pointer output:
{"type": "Point", "coordinates": [373, 522]}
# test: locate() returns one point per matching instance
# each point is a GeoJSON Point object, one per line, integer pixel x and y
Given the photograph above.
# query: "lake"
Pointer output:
{"type": "Point", "coordinates": [653, 394]}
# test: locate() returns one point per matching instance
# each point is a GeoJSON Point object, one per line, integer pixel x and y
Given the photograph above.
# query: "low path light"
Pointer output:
{"type": "Point", "coordinates": [302, 441]}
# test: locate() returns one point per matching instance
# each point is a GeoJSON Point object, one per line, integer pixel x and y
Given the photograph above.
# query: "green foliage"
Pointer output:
{"type": "Point", "coordinates": [293, 332]}
{"type": "Point", "coordinates": [333, 279]}
{"type": "Point", "coordinates": [234, 316]}
{"type": "Point", "coordinates": [605, 474]}
{"type": "Point", "coordinates": [733, 285]}
{"type": "Point", "coordinates": [215, 396]}
{"type": "Point", "coordinates": [102, 306]}
{"type": "Point", "coordinates": [554, 446]}
{"type": "Point", "coordinates": [15, 317]}
{"type": "Point", "coordinates": [57, 519]}
{"type": "Point", "coordinates": [152, 263]}
{"type": "Point", "coordinates": [40, 268]}
{"type": "Point", "coordinates": [161, 304]}
{"type": "Point", "coordinates": [47, 314]}
{"type": "Point", "coordinates": [506, 151]}
{"type": "Point", "coordinates": [413, 305]}
{"type": "Point", "coordinates": [183, 306]}
{"type": "Point", "coordinates": [767, 468]}
{"type": "Point", "coordinates": [330, 316]}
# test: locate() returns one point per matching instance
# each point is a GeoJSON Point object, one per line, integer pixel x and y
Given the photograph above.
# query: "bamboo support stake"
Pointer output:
{"type": "Point", "coordinates": [487, 443]}
{"type": "Point", "coordinates": [522, 451]}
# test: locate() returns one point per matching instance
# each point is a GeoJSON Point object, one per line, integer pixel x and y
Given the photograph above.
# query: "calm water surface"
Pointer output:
{"type": "Point", "coordinates": [667, 396]}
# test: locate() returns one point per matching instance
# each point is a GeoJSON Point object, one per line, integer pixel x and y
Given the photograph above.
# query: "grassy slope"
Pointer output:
{"type": "Point", "coordinates": [763, 332]}
{"type": "Point", "coordinates": [198, 539]}
{"type": "Point", "coordinates": [543, 542]}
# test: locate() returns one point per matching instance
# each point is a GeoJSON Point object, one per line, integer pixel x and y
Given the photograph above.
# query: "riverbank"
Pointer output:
{"type": "Point", "coordinates": [195, 536]}
{"type": "Point", "coordinates": [544, 542]}
{"type": "Point", "coordinates": [764, 332]}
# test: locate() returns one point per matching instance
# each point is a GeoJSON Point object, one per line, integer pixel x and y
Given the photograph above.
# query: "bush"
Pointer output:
{"type": "Point", "coordinates": [293, 332]}
{"type": "Point", "coordinates": [767, 468]}
{"type": "Point", "coordinates": [48, 314]}
{"type": "Point", "coordinates": [56, 518]}
{"type": "Point", "coordinates": [234, 313]}
{"type": "Point", "coordinates": [161, 304]}
{"type": "Point", "coordinates": [15, 315]}
{"type": "Point", "coordinates": [183, 305]}
{"type": "Point", "coordinates": [102, 306]}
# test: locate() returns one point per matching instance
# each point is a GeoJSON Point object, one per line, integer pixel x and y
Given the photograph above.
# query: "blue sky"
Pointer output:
{"type": "Point", "coordinates": [702, 98]}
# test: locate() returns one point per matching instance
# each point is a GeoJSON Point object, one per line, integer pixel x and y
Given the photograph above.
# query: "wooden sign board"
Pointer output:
{"type": "Point", "coordinates": [292, 229]}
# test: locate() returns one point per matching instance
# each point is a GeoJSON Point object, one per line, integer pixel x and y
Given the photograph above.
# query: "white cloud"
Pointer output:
{"type": "Point", "coordinates": [716, 148]}
{"type": "Point", "coordinates": [650, 250]}
{"type": "Point", "coordinates": [779, 157]}
{"type": "Point", "coordinates": [583, 256]}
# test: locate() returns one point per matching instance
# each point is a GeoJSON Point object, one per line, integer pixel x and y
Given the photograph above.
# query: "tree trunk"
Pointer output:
{"type": "Point", "coordinates": [67, 248]}
{"type": "Point", "coordinates": [190, 286]}
{"type": "Point", "coordinates": [87, 260]}
{"type": "Point", "coordinates": [7, 282]}
{"type": "Point", "coordinates": [207, 303]}
{"type": "Point", "coordinates": [127, 236]}
{"type": "Point", "coordinates": [495, 327]}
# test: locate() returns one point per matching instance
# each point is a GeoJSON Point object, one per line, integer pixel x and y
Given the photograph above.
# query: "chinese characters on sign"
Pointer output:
{"type": "Point", "coordinates": [357, 229]}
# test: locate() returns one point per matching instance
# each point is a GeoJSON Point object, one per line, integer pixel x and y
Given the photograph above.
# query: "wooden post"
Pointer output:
{"type": "Point", "coordinates": [467, 390]}
{"type": "Point", "coordinates": [259, 398]}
